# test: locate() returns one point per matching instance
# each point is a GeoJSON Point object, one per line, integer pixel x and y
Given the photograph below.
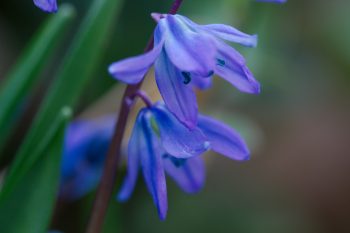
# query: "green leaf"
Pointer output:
{"type": "Point", "coordinates": [29, 208]}
{"type": "Point", "coordinates": [26, 72]}
{"type": "Point", "coordinates": [113, 222]}
{"type": "Point", "coordinates": [82, 59]}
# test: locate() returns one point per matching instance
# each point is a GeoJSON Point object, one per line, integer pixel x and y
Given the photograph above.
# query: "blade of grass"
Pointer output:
{"type": "Point", "coordinates": [26, 72]}
{"type": "Point", "coordinates": [29, 208]}
{"type": "Point", "coordinates": [82, 59]}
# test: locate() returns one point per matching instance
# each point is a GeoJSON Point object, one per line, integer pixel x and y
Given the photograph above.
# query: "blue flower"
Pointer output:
{"type": "Point", "coordinates": [46, 5]}
{"type": "Point", "coordinates": [185, 55]}
{"type": "Point", "coordinates": [160, 144]}
{"type": "Point", "coordinates": [84, 153]}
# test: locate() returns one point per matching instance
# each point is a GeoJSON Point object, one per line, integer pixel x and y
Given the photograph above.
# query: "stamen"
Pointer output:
{"type": "Point", "coordinates": [187, 77]}
{"type": "Point", "coordinates": [210, 73]}
{"type": "Point", "coordinates": [221, 62]}
{"type": "Point", "coordinates": [177, 162]}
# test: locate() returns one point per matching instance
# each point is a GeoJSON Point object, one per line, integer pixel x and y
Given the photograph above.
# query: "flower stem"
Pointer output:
{"type": "Point", "coordinates": [105, 189]}
{"type": "Point", "coordinates": [175, 7]}
{"type": "Point", "coordinates": [143, 96]}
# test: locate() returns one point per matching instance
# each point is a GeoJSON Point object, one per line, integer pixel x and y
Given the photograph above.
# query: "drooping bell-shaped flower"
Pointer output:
{"type": "Point", "coordinates": [185, 55]}
{"type": "Point", "coordinates": [46, 5]}
{"type": "Point", "coordinates": [85, 148]}
{"type": "Point", "coordinates": [160, 144]}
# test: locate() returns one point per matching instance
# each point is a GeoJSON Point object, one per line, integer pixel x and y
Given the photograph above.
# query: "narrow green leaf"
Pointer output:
{"type": "Point", "coordinates": [113, 221]}
{"type": "Point", "coordinates": [83, 57]}
{"type": "Point", "coordinates": [26, 72]}
{"type": "Point", "coordinates": [29, 208]}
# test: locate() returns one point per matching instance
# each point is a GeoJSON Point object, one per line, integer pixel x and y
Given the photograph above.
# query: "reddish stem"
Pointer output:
{"type": "Point", "coordinates": [105, 189]}
{"type": "Point", "coordinates": [175, 7]}
{"type": "Point", "coordinates": [143, 96]}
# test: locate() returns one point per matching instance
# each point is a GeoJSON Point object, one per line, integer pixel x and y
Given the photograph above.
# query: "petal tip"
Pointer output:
{"type": "Point", "coordinates": [255, 41]}
{"type": "Point", "coordinates": [243, 156]}
{"type": "Point", "coordinates": [162, 212]}
{"type": "Point", "coordinates": [112, 70]}
{"type": "Point", "coordinates": [245, 153]}
{"type": "Point", "coordinates": [257, 89]}
{"type": "Point", "coordinates": [157, 16]}
{"type": "Point", "coordinates": [206, 145]}
{"type": "Point", "coordinates": [246, 157]}
{"type": "Point", "coordinates": [118, 74]}
{"type": "Point", "coordinates": [162, 217]}
{"type": "Point", "coordinates": [254, 87]}
{"type": "Point", "coordinates": [121, 197]}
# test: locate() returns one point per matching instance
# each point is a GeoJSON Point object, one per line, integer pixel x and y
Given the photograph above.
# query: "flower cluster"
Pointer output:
{"type": "Point", "coordinates": [185, 55]}
{"type": "Point", "coordinates": [168, 137]}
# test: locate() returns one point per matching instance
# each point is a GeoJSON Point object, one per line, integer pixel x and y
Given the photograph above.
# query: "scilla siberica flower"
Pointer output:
{"type": "Point", "coordinates": [46, 5]}
{"type": "Point", "coordinates": [186, 55]}
{"type": "Point", "coordinates": [161, 144]}
{"type": "Point", "coordinates": [85, 148]}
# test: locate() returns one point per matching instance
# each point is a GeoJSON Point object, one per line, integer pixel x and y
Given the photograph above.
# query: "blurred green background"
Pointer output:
{"type": "Point", "coordinates": [298, 129]}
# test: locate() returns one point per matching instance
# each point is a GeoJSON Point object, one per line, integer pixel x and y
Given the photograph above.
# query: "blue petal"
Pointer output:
{"type": "Point", "coordinates": [223, 31]}
{"type": "Point", "coordinates": [178, 140]}
{"type": "Point", "coordinates": [132, 70]}
{"type": "Point", "coordinates": [136, 146]}
{"type": "Point", "coordinates": [202, 83]}
{"type": "Point", "coordinates": [189, 174]}
{"type": "Point", "coordinates": [158, 16]}
{"type": "Point", "coordinates": [232, 34]}
{"type": "Point", "coordinates": [85, 148]}
{"type": "Point", "coordinates": [152, 165]}
{"type": "Point", "coordinates": [232, 67]}
{"type": "Point", "coordinates": [46, 5]}
{"type": "Point", "coordinates": [178, 96]}
{"type": "Point", "coordinates": [187, 49]}
{"type": "Point", "coordinates": [223, 139]}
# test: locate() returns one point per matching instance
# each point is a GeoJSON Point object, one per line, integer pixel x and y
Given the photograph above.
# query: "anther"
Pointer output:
{"type": "Point", "coordinates": [221, 62]}
{"type": "Point", "coordinates": [187, 77]}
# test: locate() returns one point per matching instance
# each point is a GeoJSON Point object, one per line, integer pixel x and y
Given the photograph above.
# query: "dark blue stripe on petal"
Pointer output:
{"type": "Point", "coordinates": [152, 166]}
